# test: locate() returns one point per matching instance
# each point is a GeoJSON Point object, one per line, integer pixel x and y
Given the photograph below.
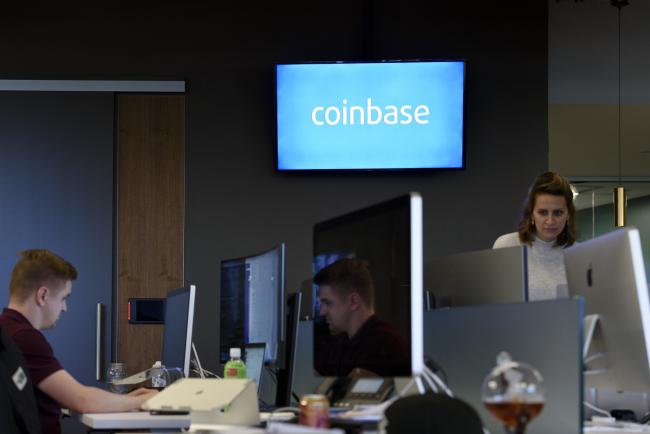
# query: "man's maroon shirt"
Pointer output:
{"type": "Point", "coordinates": [376, 347]}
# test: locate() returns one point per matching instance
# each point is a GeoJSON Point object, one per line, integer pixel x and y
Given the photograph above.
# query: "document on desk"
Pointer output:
{"type": "Point", "coordinates": [134, 420]}
{"type": "Point", "coordinates": [224, 429]}
{"type": "Point", "coordinates": [616, 427]}
{"type": "Point", "coordinates": [278, 416]}
{"type": "Point", "coordinates": [290, 428]}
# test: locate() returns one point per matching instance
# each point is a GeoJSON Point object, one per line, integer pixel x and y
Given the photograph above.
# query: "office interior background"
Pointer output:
{"type": "Point", "coordinates": [541, 93]}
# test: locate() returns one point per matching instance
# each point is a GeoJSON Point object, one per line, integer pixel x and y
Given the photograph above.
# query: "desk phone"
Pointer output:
{"type": "Point", "coordinates": [348, 392]}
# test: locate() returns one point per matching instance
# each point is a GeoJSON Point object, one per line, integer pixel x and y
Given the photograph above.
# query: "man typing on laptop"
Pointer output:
{"type": "Point", "coordinates": [41, 283]}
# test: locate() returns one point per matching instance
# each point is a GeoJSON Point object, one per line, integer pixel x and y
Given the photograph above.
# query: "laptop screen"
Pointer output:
{"type": "Point", "coordinates": [254, 359]}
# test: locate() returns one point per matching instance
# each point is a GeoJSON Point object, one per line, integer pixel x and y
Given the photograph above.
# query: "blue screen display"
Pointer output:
{"type": "Point", "coordinates": [358, 116]}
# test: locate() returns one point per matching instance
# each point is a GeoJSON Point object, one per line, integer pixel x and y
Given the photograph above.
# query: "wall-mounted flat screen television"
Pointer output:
{"type": "Point", "coordinates": [370, 116]}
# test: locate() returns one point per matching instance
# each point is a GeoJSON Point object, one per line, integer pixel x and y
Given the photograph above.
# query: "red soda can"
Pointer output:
{"type": "Point", "coordinates": [314, 411]}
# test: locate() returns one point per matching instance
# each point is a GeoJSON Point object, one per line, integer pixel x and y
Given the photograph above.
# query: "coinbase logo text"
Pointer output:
{"type": "Point", "coordinates": [369, 114]}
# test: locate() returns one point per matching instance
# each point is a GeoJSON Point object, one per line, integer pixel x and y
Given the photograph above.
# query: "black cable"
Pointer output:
{"type": "Point", "coordinates": [619, 4]}
{"type": "Point", "coordinates": [620, 152]}
{"type": "Point", "coordinates": [436, 368]}
{"type": "Point", "coordinates": [273, 374]}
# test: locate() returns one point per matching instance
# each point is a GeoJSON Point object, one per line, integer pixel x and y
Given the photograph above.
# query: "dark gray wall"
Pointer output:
{"type": "Point", "coordinates": [583, 89]}
{"type": "Point", "coordinates": [236, 202]}
{"type": "Point", "coordinates": [583, 52]}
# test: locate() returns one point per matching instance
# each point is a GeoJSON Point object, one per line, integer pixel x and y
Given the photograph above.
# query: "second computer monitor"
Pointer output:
{"type": "Point", "coordinates": [252, 302]}
{"type": "Point", "coordinates": [177, 336]}
{"type": "Point", "coordinates": [478, 277]}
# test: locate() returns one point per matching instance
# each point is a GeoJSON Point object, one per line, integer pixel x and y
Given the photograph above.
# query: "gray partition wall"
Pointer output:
{"type": "Point", "coordinates": [465, 341]}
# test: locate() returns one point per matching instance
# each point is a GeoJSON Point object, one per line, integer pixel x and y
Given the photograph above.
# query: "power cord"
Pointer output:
{"type": "Point", "coordinates": [205, 371]}
{"type": "Point", "coordinates": [597, 409]}
{"type": "Point", "coordinates": [273, 373]}
{"type": "Point", "coordinates": [593, 357]}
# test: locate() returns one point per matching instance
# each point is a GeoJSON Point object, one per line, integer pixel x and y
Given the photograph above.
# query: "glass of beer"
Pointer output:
{"type": "Point", "coordinates": [513, 393]}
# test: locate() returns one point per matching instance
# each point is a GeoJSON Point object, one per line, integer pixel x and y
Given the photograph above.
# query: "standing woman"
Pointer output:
{"type": "Point", "coordinates": [547, 226]}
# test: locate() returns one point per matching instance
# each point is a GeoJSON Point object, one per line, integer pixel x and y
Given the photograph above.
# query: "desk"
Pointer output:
{"type": "Point", "coordinates": [624, 428]}
{"type": "Point", "coordinates": [134, 420]}
{"type": "Point", "coordinates": [143, 422]}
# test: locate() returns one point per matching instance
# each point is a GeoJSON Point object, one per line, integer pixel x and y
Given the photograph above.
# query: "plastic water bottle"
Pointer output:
{"type": "Point", "coordinates": [235, 367]}
{"type": "Point", "coordinates": [158, 375]}
{"type": "Point", "coordinates": [116, 371]}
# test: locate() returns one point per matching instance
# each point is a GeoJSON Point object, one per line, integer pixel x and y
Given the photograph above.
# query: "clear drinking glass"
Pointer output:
{"type": "Point", "coordinates": [513, 393]}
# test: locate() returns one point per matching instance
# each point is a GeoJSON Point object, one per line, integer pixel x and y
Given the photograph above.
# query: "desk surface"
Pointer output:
{"type": "Point", "coordinates": [134, 420]}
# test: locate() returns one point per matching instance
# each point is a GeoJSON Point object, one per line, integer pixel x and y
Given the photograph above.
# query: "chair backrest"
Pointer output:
{"type": "Point", "coordinates": [18, 411]}
{"type": "Point", "coordinates": [432, 413]}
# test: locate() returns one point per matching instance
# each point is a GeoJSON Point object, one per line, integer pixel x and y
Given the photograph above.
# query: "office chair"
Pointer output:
{"type": "Point", "coordinates": [18, 411]}
{"type": "Point", "coordinates": [432, 413]}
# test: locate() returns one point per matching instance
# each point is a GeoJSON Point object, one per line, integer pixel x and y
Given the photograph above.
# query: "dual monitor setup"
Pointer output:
{"type": "Point", "coordinates": [607, 272]}
{"type": "Point", "coordinates": [254, 317]}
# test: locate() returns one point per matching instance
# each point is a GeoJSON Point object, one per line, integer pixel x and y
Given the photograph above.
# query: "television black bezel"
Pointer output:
{"type": "Point", "coordinates": [369, 170]}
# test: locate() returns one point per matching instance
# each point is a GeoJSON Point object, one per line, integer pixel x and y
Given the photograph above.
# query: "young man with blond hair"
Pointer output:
{"type": "Point", "coordinates": [41, 283]}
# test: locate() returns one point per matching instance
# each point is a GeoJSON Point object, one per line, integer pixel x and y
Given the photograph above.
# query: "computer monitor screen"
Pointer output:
{"type": "Point", "coordinates": [254, 359]}
{"type": "Point", "coordinates": [609, 272]}
{"type": "Point", "coordinates": [285, 374]}
{"type": "Point", "coordinates": [388, 237]}
{"type": "Point", "coordinates": [478, 277]}
{"type": "Point", "coordinates": [179, 321]}
{"type": "Point", "coordinates": [369, 116]}
{"type": "Point", "coordinates": [252, 302]}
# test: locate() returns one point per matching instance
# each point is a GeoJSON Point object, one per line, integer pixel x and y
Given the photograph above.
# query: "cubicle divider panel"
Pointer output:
{"type": "Point", "coordinates": [465, 342]}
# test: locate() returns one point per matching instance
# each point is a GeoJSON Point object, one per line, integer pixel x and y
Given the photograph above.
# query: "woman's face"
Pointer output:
{"type": "Point", "coordinates": [550, 215]}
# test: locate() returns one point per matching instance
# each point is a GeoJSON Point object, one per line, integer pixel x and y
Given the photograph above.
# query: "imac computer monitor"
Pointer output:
{"type": "Point", "coordinates": [177, 336]}
{"type": "Point", "coordinates": [252, 303]}
{"type": "Point", "coordinates": [388, 237]}
{"type": "Point", "coordinates": [609, 272]}
{"type": "Point", "coordinates": [479, 277]}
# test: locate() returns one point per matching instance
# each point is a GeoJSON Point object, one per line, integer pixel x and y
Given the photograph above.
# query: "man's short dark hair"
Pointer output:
{"type": "Point", "coordinates": [346, 276]}
{"type": "Point", "coordinates": [36, 268]}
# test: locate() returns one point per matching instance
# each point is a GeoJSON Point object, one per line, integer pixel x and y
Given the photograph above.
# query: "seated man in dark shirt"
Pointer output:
{"type": "Point", "coordinates": [357, 338]}
{"type": "Point", "coordinates": [41, 282]}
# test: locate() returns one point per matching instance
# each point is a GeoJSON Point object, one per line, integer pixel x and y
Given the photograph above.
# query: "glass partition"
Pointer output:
{"type": "Point", "coordinates": [595, 210]}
